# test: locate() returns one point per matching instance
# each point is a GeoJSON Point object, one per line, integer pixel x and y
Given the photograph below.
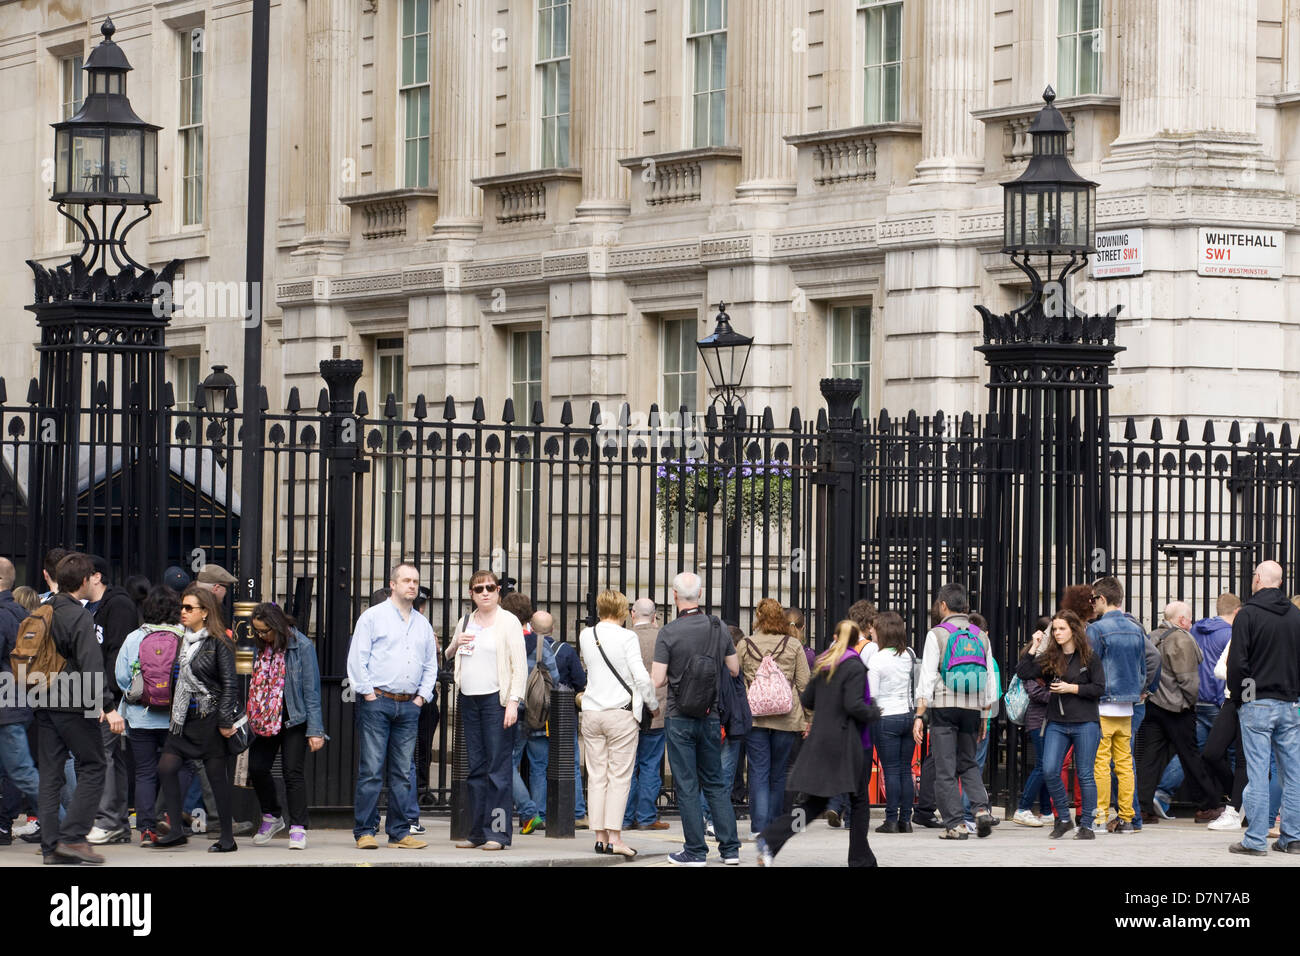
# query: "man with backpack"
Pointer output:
{"type": "Point", "coordinates": [689, 655]}
{"type": "Point", "coordinates": [64, 650]}
{"type": "Point", "coordinates": [15, 754]}
{"type": "Point", "coordinates": [530, 731]}
{"type": "Point", "coordinates": [572, 675]}
{"type": "Point", "coordinates": [116, 615]}
{"type": "Point", "coordinates": [959, 688]}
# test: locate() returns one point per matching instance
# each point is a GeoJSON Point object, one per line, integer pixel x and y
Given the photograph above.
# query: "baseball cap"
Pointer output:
{"type": "Point", "coordinates": [176, 579]}
{"type": "Point", "coordinates": [101, 566]}
{"type": "Point", "coordinates": [215, 574]}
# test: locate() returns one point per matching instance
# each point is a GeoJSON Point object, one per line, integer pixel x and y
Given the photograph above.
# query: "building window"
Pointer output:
{"type": "Point", "coordinates": [185, 381]}
{"type": "Point", "coordinates": [1078, 47]}
{"type": "Point", "coordinates": [882, 60]}
{"type": "Point", "coordinates": [553, 73]}
{"type": "Point", "coordinates": [72, 92]}
{"type": "Point", "coordinates": [190, 127]}
{"type": "Point", "coordinates": [707, 44]}
{"type": "Point", "coordinates": [851, 348]}
{"type": "Point", "coordinates": [390, 379]}
{"type": "Point", "coordinates": [525, 389]}
{"type": "Point", "coordinates": [415, 92]}
{"type": "Point", "coordinates": [679, 365]}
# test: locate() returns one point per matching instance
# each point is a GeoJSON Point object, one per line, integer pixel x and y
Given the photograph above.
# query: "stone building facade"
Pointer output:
{"type": "Point", "coordinates": [546, 199]}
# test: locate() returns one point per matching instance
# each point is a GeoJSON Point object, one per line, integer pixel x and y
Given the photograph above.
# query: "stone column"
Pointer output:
{"type": "Point", "coordinates": [330, 118]}
{"type": "Point", "coordinates": [462, 113]}
{"type": "Point", "coordinates": [1187, 68]}
{"type": "Point", "coordinates": [956, 68]}
{"type": "Point", "coordinates": [605, 57]}
{"type": "Point", "coordinates": [768, 96]}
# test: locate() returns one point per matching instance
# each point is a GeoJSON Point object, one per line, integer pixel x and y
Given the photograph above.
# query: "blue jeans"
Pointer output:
{"type": "Point", "coordinates": [730, 758]}
{"type": "Point", "coordinates": [1172, 778]}
{"type": "Point", "coordinates": [894, 744]}
{"type": "Point", "coordinates": [487, 748]}
{"type": "Point", "coordinates": [1270, 726]}
{"type": "Point", "coordinates": [16, 761]}
{"type": "Point", "coordinates": [694, 747]}
{"type": "Point", "coordinates": [1139, 715]}
{"type": "Point", "coordinates": [386, 732]}
{"type": "Point", "coordinates": [769, 756]}
{"type": "Point", "coordinates": [1085, 737]}
{"type": "Point", "coordinates": [539, 760]}
{"type": "Point", "coordinates": [981, 756]}
{"type": "Point", "coordinates": [525, 806]}
{"type": "Point", "coordinates": [1035, 783]}
{"type": "Point", "coordinates": [647, 780]}
{"type": "Point", "coordinates": [413, 804]}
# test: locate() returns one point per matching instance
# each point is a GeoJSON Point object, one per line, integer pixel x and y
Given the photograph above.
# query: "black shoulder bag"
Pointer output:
{"type": "Point", "coordinates": [647, 715]}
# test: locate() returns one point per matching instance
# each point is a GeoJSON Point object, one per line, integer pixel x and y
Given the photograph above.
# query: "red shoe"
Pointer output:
{"type": "Point", "coordinates": [148, 838]}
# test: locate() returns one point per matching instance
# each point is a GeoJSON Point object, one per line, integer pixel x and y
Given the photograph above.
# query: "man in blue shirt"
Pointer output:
{"type": "Point", "coordinates": [392, 667]}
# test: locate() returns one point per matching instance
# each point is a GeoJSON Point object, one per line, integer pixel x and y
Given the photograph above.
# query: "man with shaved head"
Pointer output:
{"type": "Point", "coordinates": [1170, 723]}
{"type": "Point", "coordinates": [1264, 677]}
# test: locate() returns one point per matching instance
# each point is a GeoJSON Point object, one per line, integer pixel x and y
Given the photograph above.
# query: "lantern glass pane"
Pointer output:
{"type": "Point", "coordinates": [1069, 218]}
{"type": "Point", "coordinates": [124, 161]}
{"type": "Point", "coordinates": [1019, 229]}
{"type": "Point", "coordinates": [88, 147]}
{"type": "Point", "coordinates": [63, 164]}
{"type": "Point", "coordinates": [1033, 216]}
{"type": "Point", "coordinates": [149, 181]}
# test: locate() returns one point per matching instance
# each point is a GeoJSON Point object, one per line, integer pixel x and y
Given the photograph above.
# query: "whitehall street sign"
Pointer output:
{"type": "Point", "coordinates": [1119, 253]}
{"type": "Point", "coordinates": [1240, 253]}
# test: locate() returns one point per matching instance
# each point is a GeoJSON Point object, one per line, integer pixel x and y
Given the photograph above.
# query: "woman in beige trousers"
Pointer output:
{"type": "Point", "coordinates": [618, 687]}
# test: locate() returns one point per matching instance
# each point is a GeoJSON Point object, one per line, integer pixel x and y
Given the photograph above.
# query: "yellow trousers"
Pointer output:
{"type": "Point", "coordinates": [1116, 744]}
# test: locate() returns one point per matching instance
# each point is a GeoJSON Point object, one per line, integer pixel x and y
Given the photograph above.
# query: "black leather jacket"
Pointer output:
{"type": "Point", "coordinates": [214, 666]}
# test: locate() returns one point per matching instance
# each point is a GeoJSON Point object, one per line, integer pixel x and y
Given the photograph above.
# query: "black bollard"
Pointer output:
{"type": "Point", "coordinates": [460, 809]}
{"type": "Point", "coordinates": [560, 797]}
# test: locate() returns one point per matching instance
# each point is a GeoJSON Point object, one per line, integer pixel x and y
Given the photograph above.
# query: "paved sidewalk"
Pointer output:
{"type": "Point", "coordinates": [1178, 844]}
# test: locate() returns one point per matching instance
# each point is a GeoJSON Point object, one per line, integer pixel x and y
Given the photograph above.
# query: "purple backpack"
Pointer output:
{"type": "Point", "coordinates": [157, 667]}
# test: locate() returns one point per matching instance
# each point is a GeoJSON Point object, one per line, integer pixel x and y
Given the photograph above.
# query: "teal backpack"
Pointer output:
{"type": "Point", "coordinates": [963, 666]}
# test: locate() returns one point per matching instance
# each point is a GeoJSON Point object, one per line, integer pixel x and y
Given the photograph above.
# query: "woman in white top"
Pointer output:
{"type": "Point", "coordinates": [490, 671]}
{"type": "Point", "coordinates": [889, 676]}
{"type": "Point", "coordinates": [618, 687]}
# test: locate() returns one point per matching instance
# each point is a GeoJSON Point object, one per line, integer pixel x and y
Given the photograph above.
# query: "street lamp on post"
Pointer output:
{"type": "Point", "coordinates": [725, 354]}
{"type": "Point", "coordinates": [219, 390]}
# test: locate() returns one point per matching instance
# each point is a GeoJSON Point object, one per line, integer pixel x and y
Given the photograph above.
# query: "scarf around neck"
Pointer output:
{"type": "Point", "coordinates": [189, 687]}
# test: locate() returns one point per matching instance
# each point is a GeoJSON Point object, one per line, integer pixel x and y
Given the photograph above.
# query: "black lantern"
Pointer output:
{"type": "Point", "coordinates": [725, 354]}
{"type": "Point", "coordinates": [105, 154]}
{"type": "Point", "coordinates": [218, 390]}
{"type": "Point", "coordinates": [1050, 209]}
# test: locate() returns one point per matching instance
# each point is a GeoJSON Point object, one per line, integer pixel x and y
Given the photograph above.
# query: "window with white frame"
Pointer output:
{"type": "Point", "coordinates": [414, 92]}
{"type": "Point", "coordinates": [679, 366]}
{"type": "Point", "coordinates": [882, 25]}
{"type": "Point", "coordinates": [1078, 47]}
{"type": "Point", "coordinates": [390, 379]}
{"type": "Point", "coordinates": [72, 92]}
{"type": "Point", "coordinates": [185, 380]}
{"type": "Point", "coordinates": [525, 389]}
{"type": "Point", "coordinates": [707, 45]}
{"type": "Point", "coordinates": [190, 127]}
{"type": "Point", "coordinates": [553, 74]}
{"type": "Point", "coordinates": [851, 348]}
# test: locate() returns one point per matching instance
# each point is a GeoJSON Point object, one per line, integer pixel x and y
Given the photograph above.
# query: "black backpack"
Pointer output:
{"type": "Point", "coordinates": [698, 688]}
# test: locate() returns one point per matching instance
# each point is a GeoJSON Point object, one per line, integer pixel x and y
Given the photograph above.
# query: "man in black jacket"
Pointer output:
{"type": "Point", "coordinates": [1264, 677]}
{"type": "Point", "coordinates": [81, 687]}
{"type": "Point", "coordinates": [15, 716]}
{"type": "Point", "coordinates": [116, 615]}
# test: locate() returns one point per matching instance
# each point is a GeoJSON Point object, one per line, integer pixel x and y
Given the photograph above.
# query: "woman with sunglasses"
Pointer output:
{"type": "Point", "coordinates": [205, 703]}
{"type": "Point", "coordinates": [490, 672]}
{"type": "Point", "coordinates": [284, 716]}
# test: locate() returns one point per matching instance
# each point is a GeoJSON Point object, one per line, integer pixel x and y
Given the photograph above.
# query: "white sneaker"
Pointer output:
{"type": "Point", "coordinates": [270, 827]}
{"type": "Point", "coordinates": [1026, 818]}
{"type": "Point", "coordinates": [27, 827]}
{"type": "Point", "coordinates": [1047, 820]}
{"type": "Point", "coordinates": [970, 827]}
{"type": "Point", "coordinates": [1229, 819]}
{"type": "Point", "coordinates": [199, 821]}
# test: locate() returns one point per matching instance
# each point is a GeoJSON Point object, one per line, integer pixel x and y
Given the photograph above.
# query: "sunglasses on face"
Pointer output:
{"type": "Point", "coordinates": [192, 608]}
{"type": "Point", "coordinates": [484, 588]}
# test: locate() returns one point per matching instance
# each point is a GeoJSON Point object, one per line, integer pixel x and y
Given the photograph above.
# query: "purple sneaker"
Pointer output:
{"type": "Point", "coordinates": [270, 827]}
{"type": "Point", "coordinates": [297, 838]}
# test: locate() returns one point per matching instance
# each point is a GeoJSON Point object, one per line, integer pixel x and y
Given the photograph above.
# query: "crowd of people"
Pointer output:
{"type": "Point", "coordinates": [1114, 720]}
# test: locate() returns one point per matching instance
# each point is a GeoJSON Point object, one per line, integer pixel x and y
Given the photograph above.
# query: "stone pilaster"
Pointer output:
{"type": "Point", "coordinates": [605, 100]}
{"type": "Point", "coordinates": [768, 100]}
{"type": "Point", "coordinates": [957, 51]}
{"type": "Point", "coordinates": [462, 113]}
{"type": "Point", "coordinates": [330, 118]}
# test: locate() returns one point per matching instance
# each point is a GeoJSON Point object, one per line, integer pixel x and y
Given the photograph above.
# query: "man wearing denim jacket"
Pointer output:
{"type": "Point", "coordinates": [1121, 646]}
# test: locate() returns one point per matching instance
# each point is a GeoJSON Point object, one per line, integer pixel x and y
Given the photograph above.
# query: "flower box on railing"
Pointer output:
{"type": "Point", "coordinates": [763, 489]}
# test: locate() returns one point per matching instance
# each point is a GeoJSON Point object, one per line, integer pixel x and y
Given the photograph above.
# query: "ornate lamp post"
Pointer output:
{"type": "Point", "coordinates": [725, 354]}
{"type": "Point", "coordinates": [106, 162]}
